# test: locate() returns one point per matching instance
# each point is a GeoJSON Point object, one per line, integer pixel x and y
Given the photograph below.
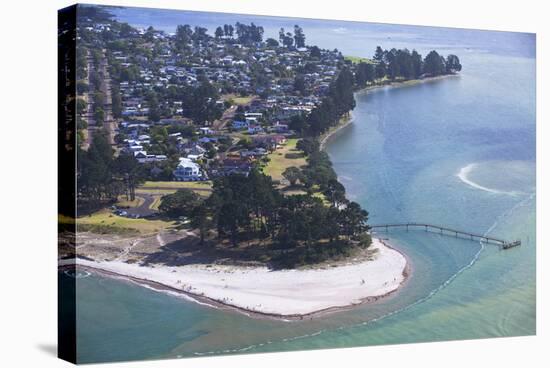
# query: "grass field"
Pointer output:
{"type": "Point", "coordinates": [176, 184]}
{"type": "Point", "coordinates": [238, 100]}
{"type": "Point", "coordinates": [358, 59]}
{"type": "Point", "coordinates": [105, 222]}
{"type": "Point", "coordinates": [299, 191]}
{"type": "Point", "coordinates": [155, 192]}
{"type": "Point", "coordinates": [279, 160]}
{"type": "Point", "coordinates": [161, 192]}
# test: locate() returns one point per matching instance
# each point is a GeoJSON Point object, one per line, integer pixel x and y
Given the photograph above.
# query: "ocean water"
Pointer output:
{"type": "Point", "coordinates": [458, 152]}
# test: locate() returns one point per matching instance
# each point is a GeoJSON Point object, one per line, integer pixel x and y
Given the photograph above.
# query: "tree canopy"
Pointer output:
{"type": "Point", "coordinates": [181, 203]}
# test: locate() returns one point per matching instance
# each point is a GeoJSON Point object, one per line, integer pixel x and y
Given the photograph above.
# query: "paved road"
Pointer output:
{"type": "Point", "coordinates": [226, 117]}
{"type": "Point", "coordinates": [176, 188]}
{"type": "Point", "coordinates": [110, 123]}
{"type": "Point", "coordinates": [89, 116]}
{"type": "Point", "coordinates": [143, 210]}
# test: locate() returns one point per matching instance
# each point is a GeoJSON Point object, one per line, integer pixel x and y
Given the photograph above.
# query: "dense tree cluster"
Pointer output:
{"type": "Point", "coordinates": [338, 102]}
{"type": "Point", "coordinates": [179, 204]}
{"type": "Point", "coordinates": [287, 39]}
{"type": "Point", "coordinates": [250, 207]}
{"type": "Point", "coordinates": [116, 100]}
{"type": "Point", "coordinates": [403, 64]}
{"type": "Point", "coordinates": [228, 30]}
{"type": "Point", "coordinates": [183, 37]}
{"type": "Point", "coordinates": [299, 36]}
{"type": "Point", "coordinates": [198, 102]}
{"type": "Point", "coordinates": [247, 34]}
{"type": "Point", "coordinates": [121, 73]}
{"type": "Point", "coordinates": [102, 177]}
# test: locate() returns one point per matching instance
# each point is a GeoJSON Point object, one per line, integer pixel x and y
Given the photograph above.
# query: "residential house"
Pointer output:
{"type": "Point", "coordinates": [231, 166]}
{"type": "Point", "coordinates": [269, 142]}
{"type": "Point", "coordinates": [187, 170]}
{"type": "Point", "coordinates": [142, 157]}
{"type": "Point", "coordinates": [240, 125]}
{"type": "Point", "coordinates": [255, 129]}
{"type": "Point", "coordinates": [206, 131]}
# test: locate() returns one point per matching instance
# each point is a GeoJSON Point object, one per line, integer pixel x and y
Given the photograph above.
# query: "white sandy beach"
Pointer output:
{"type": "Point", "coordinates": [281, 293]}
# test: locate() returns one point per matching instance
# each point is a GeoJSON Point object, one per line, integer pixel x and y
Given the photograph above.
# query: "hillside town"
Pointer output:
{"type": "Point", "coordinates": [191, 106]}
{"type": "Point", "coordinates": [221, 132]}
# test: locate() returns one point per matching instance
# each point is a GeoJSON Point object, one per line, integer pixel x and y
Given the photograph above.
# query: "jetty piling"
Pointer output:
{"type": "Point", "coordinates": [503, 244]}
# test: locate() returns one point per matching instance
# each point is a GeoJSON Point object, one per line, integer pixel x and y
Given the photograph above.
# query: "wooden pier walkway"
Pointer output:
{"type": "Point", "coordinates": [503, 244]}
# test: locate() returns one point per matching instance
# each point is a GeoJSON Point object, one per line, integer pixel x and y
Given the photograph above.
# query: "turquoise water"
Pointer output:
{"type": "Point", "coordinates": [400, 159]}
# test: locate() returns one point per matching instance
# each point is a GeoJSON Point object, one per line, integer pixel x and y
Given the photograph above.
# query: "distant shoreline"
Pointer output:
{"type": "Point", "coordinates": [407, 83]}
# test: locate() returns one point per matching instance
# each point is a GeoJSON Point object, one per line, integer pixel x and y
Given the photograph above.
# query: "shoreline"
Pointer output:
{"type": "Point", "coordinates": [211, 294]}
{"type": "Point", "coordinates": [407, 83]}
{"type": "Point", "coordinates": [325, 137]}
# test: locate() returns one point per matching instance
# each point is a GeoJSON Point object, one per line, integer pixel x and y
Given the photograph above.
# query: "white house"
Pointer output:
{"type": "Point", "coordinates": [256, 115]}
{"type": "Point", "coordinates": [142, 157]}
{"type": "Point", "coordinates": [206, 131]}
{"type": "Point", "coordinates": [195, 149]}
{"type": "Point", "coordinates": [135, 148]}
{"type": "Point", "coordinates": [144, 137]}
{"type": "Point", "coordinates": [187, 170]}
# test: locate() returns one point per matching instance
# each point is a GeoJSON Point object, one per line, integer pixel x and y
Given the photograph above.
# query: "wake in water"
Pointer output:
{"type": "Point", "coordinates": [463, 175]}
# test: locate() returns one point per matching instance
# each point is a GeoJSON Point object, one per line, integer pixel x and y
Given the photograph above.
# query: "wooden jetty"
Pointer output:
{"type": "Point", "coordinates": [503, 244]}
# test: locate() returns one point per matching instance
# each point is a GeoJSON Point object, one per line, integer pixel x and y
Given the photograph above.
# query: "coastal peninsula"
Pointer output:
{"type": "Point", "coordinates": [201, 168]}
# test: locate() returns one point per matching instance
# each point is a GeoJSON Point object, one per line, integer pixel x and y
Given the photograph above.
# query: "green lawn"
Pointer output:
{"type": "Point", "coordinates": [158, 193]}
{"type": "Point", "coordinates": [155, 191]}
{"type": "Point", "coordinates": [239, 100]}
{"type": "Point", "coordinates": [299, 191]}
{"type": "Point", "coordinates": [358, 59]}
{"type": "Point", "coordinates": [279, 161]}
{"type": "Point", "coordinates": [106, 222]}
{"type": "Point", "coordinates": [176, 184]}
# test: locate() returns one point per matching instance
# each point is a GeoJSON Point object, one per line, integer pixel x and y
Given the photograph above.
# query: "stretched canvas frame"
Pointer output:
{"type": "Point", "coordinates": [216, 177]}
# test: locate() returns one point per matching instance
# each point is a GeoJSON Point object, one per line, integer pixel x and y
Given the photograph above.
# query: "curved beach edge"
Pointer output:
{"type": "Point", "coordinates": [326, 137]}
{"type": "Point", "coordinates": [210, 301]}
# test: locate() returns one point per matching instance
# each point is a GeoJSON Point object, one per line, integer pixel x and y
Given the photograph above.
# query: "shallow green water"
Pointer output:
{"type": "Point", "coordinates": [400, 159]}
